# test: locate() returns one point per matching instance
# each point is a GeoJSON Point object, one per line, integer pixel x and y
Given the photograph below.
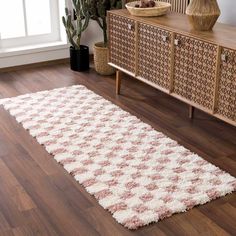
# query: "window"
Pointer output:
{"type": "Point", "coordinates": [29, 22]}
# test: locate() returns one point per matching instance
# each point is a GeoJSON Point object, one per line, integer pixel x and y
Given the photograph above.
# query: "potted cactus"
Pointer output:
{"type": "Point", "coordinates": [75, 22]}
{"type": "Point", "coordinates": [97, 10]}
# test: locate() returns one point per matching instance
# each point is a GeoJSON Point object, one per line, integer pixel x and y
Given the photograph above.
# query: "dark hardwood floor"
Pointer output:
{"type": "Point", "coordinates": [38, 197]}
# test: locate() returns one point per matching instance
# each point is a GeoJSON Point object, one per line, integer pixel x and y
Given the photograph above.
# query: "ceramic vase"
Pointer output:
{"type": "Point", "coordinates": [203, 14]}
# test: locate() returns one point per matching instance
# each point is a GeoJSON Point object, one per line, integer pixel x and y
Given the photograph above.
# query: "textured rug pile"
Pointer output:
{"type": "Point", "coordinates": [135, 172]}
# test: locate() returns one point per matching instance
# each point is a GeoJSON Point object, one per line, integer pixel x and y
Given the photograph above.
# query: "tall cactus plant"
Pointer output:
{"type": "Point", "coordinates": [98, 9]}
{"type": "Point", "coordinates": [74, 28]}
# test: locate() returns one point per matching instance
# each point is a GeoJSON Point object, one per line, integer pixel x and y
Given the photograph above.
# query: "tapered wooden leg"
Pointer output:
{"type": "Point", "coordinates": [118, 81]}
{"type": "Point", "coordinates": [191, 112]}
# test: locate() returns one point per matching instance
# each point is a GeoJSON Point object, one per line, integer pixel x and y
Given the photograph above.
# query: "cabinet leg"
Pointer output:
{"type": "Point", "coordinates": [118, 81]}
{"type": "Point", "coordinates": [191, 112]}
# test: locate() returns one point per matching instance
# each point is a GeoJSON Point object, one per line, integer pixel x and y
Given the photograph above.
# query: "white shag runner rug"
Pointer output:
{"type": "Point", "coordinates": [135, 172]}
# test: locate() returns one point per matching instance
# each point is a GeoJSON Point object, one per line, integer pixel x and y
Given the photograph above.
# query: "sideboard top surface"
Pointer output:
{"type": "Point", "coordinates": [222, 34]}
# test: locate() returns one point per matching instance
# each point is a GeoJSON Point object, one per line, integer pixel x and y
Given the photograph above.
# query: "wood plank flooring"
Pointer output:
{"type": "Point", "coordinates": [37, 197]}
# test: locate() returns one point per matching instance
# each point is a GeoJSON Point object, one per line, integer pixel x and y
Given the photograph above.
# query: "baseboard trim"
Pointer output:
{"type": "Point", "coordinates": [39, 64]}
{"type": "Point", "coordinates": [34, 65]}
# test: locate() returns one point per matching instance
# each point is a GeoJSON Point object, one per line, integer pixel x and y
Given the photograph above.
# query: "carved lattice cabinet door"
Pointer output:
{"type": "Point", "coordinates": [226, 102]}
{"type": "Point", "coordinates": [122, 42]}
{"type": "Point", "coordinates": [154, 55]}
{"type": "Point", "coordinates": [194, 71]}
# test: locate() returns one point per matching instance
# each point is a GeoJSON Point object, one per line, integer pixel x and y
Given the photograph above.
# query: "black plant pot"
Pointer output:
{"type": "Point", "coordinates": [79, 59]}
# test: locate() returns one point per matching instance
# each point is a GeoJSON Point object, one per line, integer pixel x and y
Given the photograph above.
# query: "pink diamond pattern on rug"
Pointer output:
{"type": "Point", "coordinates": [135, 172]}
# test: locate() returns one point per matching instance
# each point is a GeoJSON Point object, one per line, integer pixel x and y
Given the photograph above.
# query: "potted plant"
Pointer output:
{"type": "Point", "coordinates": [75, 22]}
{"type": "Point", "coordinates": [98, 11]}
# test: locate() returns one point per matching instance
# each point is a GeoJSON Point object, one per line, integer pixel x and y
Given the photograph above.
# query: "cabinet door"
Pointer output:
{"type": "Point", "coordinates": [226, 105]}
{"type": "Point", "coordinates": [154, 55]}
{"type": "Point", "coordinates": [194, 71]}
{"type": "Point", "coordinates": [122, 42]}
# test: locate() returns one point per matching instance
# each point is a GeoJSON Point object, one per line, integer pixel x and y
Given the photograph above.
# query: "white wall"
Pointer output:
{"type": "Point", "coordinates": [92, 35]}
{"type": "Point", "coordinates": [33, 56]}
{"type": "Point", "coordinates": [228, 11]}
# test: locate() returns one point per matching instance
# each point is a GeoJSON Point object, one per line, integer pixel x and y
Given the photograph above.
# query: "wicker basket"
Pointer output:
{"type": "Point", "coordinates": [160, 9]}
{"type": "Point", "coordinates": [101, 60]}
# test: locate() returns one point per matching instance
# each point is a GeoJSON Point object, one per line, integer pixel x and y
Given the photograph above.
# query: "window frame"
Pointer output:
{"type": "Point", "coordinates": [54, 36]}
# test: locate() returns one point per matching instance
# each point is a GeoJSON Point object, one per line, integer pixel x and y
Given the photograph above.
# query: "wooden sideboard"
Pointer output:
{"type": "Point", "coordinates": [198, 68]}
